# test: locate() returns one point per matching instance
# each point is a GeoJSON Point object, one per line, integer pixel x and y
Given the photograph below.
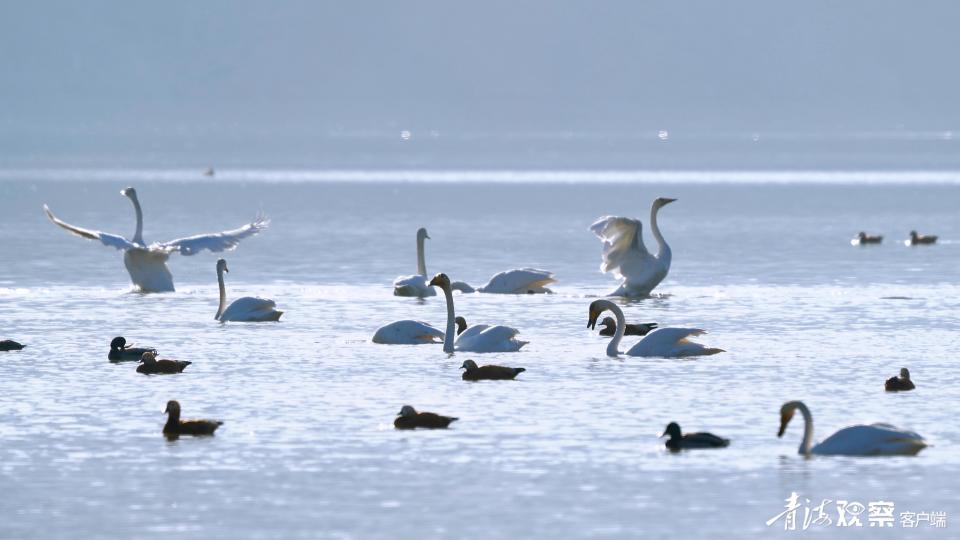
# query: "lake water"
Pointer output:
{"type": "Point", "coordinates": [569, 449]}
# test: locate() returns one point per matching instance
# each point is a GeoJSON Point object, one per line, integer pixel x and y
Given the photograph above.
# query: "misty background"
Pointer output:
{"type": "Point", "coordinates": [440, 84]}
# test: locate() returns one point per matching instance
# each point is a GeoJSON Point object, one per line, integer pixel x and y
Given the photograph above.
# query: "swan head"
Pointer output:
{"type": "Point", "coordinates": [662, 201]}
{"type": "Point", "coordinates": [440, 280]}
{"type": "Point", "coordinates": [129, 192]}
{"type": "Point", "coordinates": [461, 324]}
{"type": "Point", "coordinates": [786, 414]}
{"type": "Point", "coordinates": [673, 430]}
{"type": "Point", "coordinates": [595, 310]}
{"type": "Point", "coordinates": [905, 373]}
{"type": "Point", "coordinates": [222, 266]}
{"type": "Point", "coordinates": [469, 365]}
{"type": "Point", "coordinates": [422, 234]}
{"type": "Point", "coordinates": [118, 343]}
{"type": "Point", "coordinates": [148, 358]}
{"type": "Point", "coordinates": [407, 411]}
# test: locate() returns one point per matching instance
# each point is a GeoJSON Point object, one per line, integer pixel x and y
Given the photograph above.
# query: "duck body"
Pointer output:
{"type": "Point", "coordinates": [176, 427]}
{"type": "Point", "coordinates": [409, 418]}
{"type": "Point", "coordinates": [149, 365]}
{"type": "Point", "coordinates": [863, 239]}
{"type": "Point", "coordinates": [120, 352]}
{"type": "Point", "coordinates": [901, 383]}
{"type": "Point", "coordinates": [921, 239]}
{"type": "Point", "coordinates": [610, 328]}
{"type": "Point", "coordinates": [10, 345]}
{"type": "Point", "coordinates": [688, 441]}
{"type": "Point", "coordinates": [472, 372]}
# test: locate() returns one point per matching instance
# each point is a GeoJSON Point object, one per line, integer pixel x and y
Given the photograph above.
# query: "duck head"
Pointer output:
{"type": "Point", "coordinates": [673, 430]}
{"type": "Point", "coordinates": [407, 411]}
{"type": "Point", "coordinates": [461, 324]}
{"type": "Point", "coordinates": [117, 344]}
{"type": "Point", "coordinates": [469, 365]}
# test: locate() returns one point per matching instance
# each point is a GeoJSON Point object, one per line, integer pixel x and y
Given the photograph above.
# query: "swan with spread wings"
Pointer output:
{"type": "Point", "coordinates": [146, 264]}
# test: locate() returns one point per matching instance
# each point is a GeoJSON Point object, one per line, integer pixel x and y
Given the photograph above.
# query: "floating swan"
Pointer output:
{"type": "Point", "coordinates": [863, 239]}
{"type": "Point", "coordinates": [679, 441]}
{"type": "Point", "coordinates": [120, 351]}
{"type": "Point", "coordinates": [176, 427]}
{"type": "Point", "coordinates": [627, 257]}
{"type": "Point", "coordinates": [147, 264]}
{"type": "Point", "coordinates": [493, 373]}
{"type": "Point", "coordinates": [416, 285]}
{"type": "Point", "coordinates": [921, 239]}
{"type": "Point", "coordinates": [860, 440]}
{"type": "Point", "coordinates": [480, 338]}
{"type": "Point", "coordinates": [409, 332]}
{"type": "Point", "coordinates": [901, 383]}
{"type": "Point", "coordinates": [10, 345]}
{"type": "Point", "coordinates": [519, 281]}
{"type": "Point", "coordinates": [409, 418]}
{"type": "Point", "coordinates": [665, 342]}
{"type": "Point", "coordinates": [149, 365]}
{"type": "Point", "coordinates": [610, 328]}
{"type": "Point", "coordinates": [246, 309]}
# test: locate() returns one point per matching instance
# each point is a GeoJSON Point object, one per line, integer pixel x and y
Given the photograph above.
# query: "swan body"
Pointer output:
{"type": "Point", "coordinates": [901, 383]}
{"type": "Point", "coordinates": [662, 342]}
{"type": "Point", "coordinates": [416, 285]}
{"type": "Point", "coordinates": [246, 309]}
{"type": "Point", "coordinates": [863, 239]}
{"type": "Point", "coordinates": [860, 440]}
{"type": "Point", "coordinates": [921, 239]}
{"type": "Point", "coordinates": [146, 264]}
{"type": "Point", "coordinates": [686, 441]}
{"type": "Point", "coordinates": [519, 281]}
{"type": "Point", "coordinates": [480, 338]}
{"type": "Point", "coordinates": [409, 332]}
{"type": "Point", "coordinates": [626, 256]}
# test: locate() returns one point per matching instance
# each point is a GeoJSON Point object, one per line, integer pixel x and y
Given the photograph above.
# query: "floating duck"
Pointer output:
{"type": "Point", "coordinates": [679, 441]}
{"type": "Point", "coordinates": [409, 418]}
{"type": "Point", "coordinates": [10, 345]}
{"type": "Point", "coordinates": [863, 239]}
{"type": "Point", "coordinates": [610, 328]}
{"type": "Point", "coordinates": [901, 383]}
{"type": "Point", "coordinates": [496, 373]}
{"type": "Point", "coordinates": [120, 352]}
{"type": "Point", "coordinates": [176, 427]}
{"type": "Point", "coordinates": [150, 365]}
{"type": "Point", "coordinates": [921, 239]}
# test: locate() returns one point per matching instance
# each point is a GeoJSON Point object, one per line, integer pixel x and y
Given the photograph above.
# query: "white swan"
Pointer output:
{"type": "Point", "coordinates": [409, 332]}
{"type": "Point", "coordinates": [147, 264]}
{"type": "Point", "coordinates": [416, 285]}
{"type": "Point", "coordinates": [627, 257]}
{"type": "Point", "coordinates": [480, 338]}
{"type": "Point", "coordinates": [246, 309]}
{"type": "Point", "coordinates": [519, 281]}
{"type": "Point", "coordinates": [663, 342]}
{"type": "Point", "coordinates": [872, 440]}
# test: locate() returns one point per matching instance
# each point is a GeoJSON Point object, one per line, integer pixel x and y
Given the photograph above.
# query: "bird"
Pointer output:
{"type": "Point", "coordinates": [246, 309]}
{"type": "Point", "coordinates": [149, 365]}
{"type": "Point", "coordinates": [863, 239]}
{"type": "Point", "coordinates": [678, 441]}
{"type": "Point", "coordinates": [519, 281]}
{"type": "Point", "coordinates": [409, 332]}
{"type": "Point", "coordinates": [663, 342]}
{"type": "Point", "coordinates": [480, 338]}
{"type": "Point", "coordinates": [494, 373]}
{"type": "Point", "coordinates": [901, 383]}
{"type": "Point", "coordinates": [176, 427]}
{"type": "Point", "coordinates": [10, 345]}
{"type": "Point", "coordinates": [416, 285]}
{"type": "Point", "coordinates": [921, 239]}
{"type": "Point", "coordinates": [610, 328]}
{"type": "Point", "coordinates": [209, 172]}
{"type": "Point", "coordinates": [859, 440]}
{"type": "Point", "coordinates": [627, 257]}
{"type": "Point", "coordinates": [147, 264]}
{"type": "Point", "coordinates": [120, 351]}
{"type": "Point", "coordinates": [409, 418]}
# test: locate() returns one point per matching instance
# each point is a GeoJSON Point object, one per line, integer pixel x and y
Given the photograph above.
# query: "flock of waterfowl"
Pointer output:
{"type": "Point", "coordinates": [624, 255]}
{"type": "Point", "coordinates": [913, 239]}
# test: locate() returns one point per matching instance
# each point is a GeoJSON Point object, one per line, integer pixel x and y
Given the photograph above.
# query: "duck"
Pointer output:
{"type": "Point", "coordinates": [901, 383]}
{"type": "Point", "coordinates": [120, 351]}
{"type": "Point", "coordinates": [921, 239]}
{"type": "Point", "coordinates": [863, 239]}
{"type": "Point", "coordinates": [490, 372]}
{"type": "Point", "coordinates": [149, 365]}
{"type": "Point", "coordinates": [409, 418]}
{"type": "Point", "coordinates": [679, 441]}
{"type": "Point", "coordinates": [176, 427]}
{"type": "Point", "coordinates": [10, 345]}
{"type": "Point", "coordinates": [610, 328]}
{"type": "Point", "coordinates": [860, 440]}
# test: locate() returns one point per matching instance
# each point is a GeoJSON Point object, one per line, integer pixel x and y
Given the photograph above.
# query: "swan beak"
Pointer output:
{"type": "Point", "coordinates": [592, 322]}
{"type": "Point", "coordinates": [667, 201]}
{"type": "Point", "coordinates": [784, 420]}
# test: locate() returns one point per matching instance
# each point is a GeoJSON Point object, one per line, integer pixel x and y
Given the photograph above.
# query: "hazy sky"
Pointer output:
{"type": "Point", "coordinates": [129, 66]}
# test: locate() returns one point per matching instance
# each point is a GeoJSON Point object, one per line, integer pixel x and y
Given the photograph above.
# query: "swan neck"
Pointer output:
{"type": "Point", "coordinates": [421, 259]}
{"type": "Point", "coordinates": [450, 334]}
{"type": "Point", "coordinates": [613, 348]}
{"type": "Point", "coordinates": [663, 250]}
{"type": "Point", "coordinates": [138, 234]}
{"type": "Point", "coordinates": [807, 444]}
{"type": "Point", "coordinates": [223, 294]}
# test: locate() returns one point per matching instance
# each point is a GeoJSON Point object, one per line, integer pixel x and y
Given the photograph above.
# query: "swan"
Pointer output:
{"type": "Point", "coordinates": [519, 281]}
{"type": "Point", "coordinates": [480, 338]}
{"type": "Point", "coordinates": [409, 418]}
{"type": "Point", "coordinates": [921, 239]}
{"type": "Point", "coordinates": [610, 328]}
{"type": "Point", "coordinates": [246, 309]}
{"type": "Point", "coordinates": [872, 440]}
{"type": "Point", "coordinates": [863, 239]}
{"type": "Point", "coordinates": [408, 332]}
{"type": "Point", "coordinates": [664, 342]}
{"type": "Point", "coordinates": [147, 264]}
{"type": "Point", "coordinates": [679, 441]}
{"type": "Point", "coordinates": [625, 255]}
{"type": "Point", "coordinates": [901, 383]}
{"type": "Point", "coordinates": [176, 427]}
{"type": "Point", "coordinates": [416, 285]}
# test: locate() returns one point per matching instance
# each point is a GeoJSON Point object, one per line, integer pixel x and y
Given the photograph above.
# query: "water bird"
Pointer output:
{"type": "Point", "coordinates": [863, 239]}
{"type": "Point", "coordinates": [246, 309]}
{"type": "Point", "coordinates": [519, 281]}
{"type": "Point", "coordinates": [610, 328]}
{"type": "Point", "coordinates": [489, 372]}
{"type": "Point", "coordinates": [209, 172]}
{"type": "Point", "coordinates": [409, 332]}
{"type": "Point", "coordinates": [120, 351]}
{"type": "Point", "coordinates": [149, 365]}
{"type": "Point", "coordinates": [10, 345]}
{"type": "Point", "coordinates": [901, 383]}
{"type": "Point", "coordinates": [480, 338]}
{"type": "Point", "coordinates": [626, 256]}
{"type": "Point", "coordinates": [921, 239]}
{"type": "Point", "coordinates": [859, 440]}
{"type": "Point", "coordinates": [663, 342]}
{"type": "Point", "coordinates": [416, 285]}
{"type": "Point", "coordinates": [147, 264]}
{"type": "Point", "coordinates": [409, 418]}
{"type": "Point", "coordinates": [176, 427]}
{"type": "Point", "coordinates": [679, 441]}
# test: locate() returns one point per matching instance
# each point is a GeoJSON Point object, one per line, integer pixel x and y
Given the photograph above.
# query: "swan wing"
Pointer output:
{"type": "Point", "coordinates": [872, 440]}
{"type": "Point", "coordinates": [491, 339]}
{"type": "Point", "coordinates": [670, 343]}
{"type": "Point", "coordinates": [415, 285]}
{"type": "Point", "coordinates": [107, 239]}
{"type": "Point", "coordinates": [472, 332]}
{"type": "Point", "coordinates": [624, 252]}
{"type": "Point", "coordinates": [519, 281]}
{"type": "Point", "coordinates": [407, 332]}
{"type": "Point", "coordinates": [216, 242]}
